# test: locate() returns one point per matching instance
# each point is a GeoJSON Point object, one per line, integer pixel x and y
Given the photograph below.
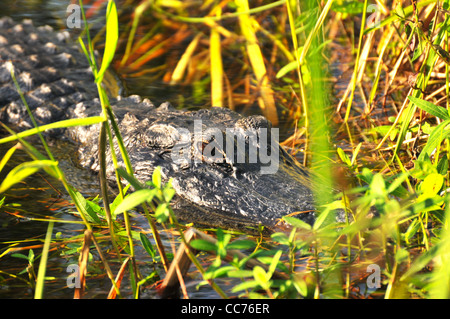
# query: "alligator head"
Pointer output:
{"type": "Point", "coordinates": [228, 170]}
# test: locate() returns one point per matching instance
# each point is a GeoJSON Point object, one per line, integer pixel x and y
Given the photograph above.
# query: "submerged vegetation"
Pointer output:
{"type": "Point", "coordinates": [361, 90]}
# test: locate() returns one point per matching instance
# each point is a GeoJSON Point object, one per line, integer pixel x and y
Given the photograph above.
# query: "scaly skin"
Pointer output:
{"type": "Point", "coordinates": [219, 191]}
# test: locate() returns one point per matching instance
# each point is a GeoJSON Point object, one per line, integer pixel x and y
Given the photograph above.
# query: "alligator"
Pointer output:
{"type": "Point", "coordinates": [232, 185]}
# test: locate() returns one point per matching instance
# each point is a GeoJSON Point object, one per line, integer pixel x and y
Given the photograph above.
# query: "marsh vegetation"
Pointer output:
{"type": "Point", "coordinates": [360, 90]}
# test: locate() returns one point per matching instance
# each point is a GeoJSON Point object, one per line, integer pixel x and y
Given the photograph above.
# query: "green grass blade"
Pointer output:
{"type": "Point", "coordinates": [60, 124]}
{"type": "Point", "coordinates": [135, 199]}
{"type": "Point", "coordinates": [7, 156]}
{"type": "Point", "coordinates": [112, 35]}
{"type": "Point", "coordinates": [22, 171]}
{"type": "Point", "coordinates": [297, 223]}
{"type": "Point", "coordinates": [147, 245]}
{"type": "Point", "coordinates": [357, 64]}
{"type": "Point", "coordinates": [130, 178]}
{"type": "Point", "coordinates": [43, 263]}
{"type": "Point", "coordinates": [431, 108]}
{"type": "Point", "coordinates": [436, 137]}
{"type": "Point", "coordinates": [318, 25]}
{"type": "Point", "coordinates": [120, 142]}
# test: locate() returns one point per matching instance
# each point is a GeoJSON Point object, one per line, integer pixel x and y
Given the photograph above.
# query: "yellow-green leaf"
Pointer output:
{"type": "Point", "coordinates": [22, 171]}
{"type": "Point", "coordinates": [297, 223]}
{"type": "Point", "coordinates": [432, 184]}
{"type": "Point", "coordinates": [60, 124]}
{"type": "Point", "coordinates": [7, 156]}
{"type": "Point", "coordinates": [135, 199]}
{"type": "Point", "coordinates": [261, 277]}
{"type": "Point", "coordinates": [112, 35]}
{"type": "Point", "coordinates": [201, 244]}
{"type": "Point", "coordinates": [431, 108]}
{"type": "Point", "coordinates": [156, 177]}
{"type": "Point", "coordinates": [286, 69]}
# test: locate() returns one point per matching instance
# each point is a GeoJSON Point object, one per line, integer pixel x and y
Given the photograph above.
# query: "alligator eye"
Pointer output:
{"type": "Point", "coordinates": [201, 146]}
{"type": "Point", "coordinates": [209, 151]}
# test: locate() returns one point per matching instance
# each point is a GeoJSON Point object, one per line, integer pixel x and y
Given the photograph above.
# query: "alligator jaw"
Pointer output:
{"type": "Point", "coordinates": [238, 204]}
